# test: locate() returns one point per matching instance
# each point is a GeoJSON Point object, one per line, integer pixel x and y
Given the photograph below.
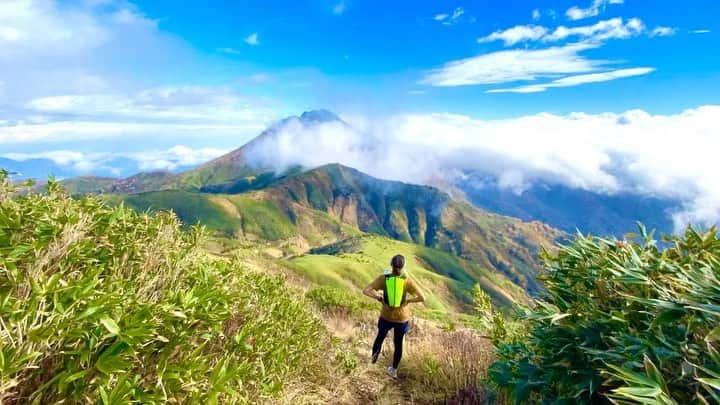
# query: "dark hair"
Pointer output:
{"type": "Point", "coordinates": [397, 263]}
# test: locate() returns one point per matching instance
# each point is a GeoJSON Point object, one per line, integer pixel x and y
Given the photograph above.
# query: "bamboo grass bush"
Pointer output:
{"type": "Point", "coordinates": [106, 305]}
{"type": "Point", "coordinates": [621, 321]}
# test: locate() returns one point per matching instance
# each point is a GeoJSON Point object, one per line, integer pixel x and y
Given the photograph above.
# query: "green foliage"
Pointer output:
{"type": "Point", "coordinates": [246, 214]}
{"type": "Point", "coordinates": [329, 298]}
{"type": "Point", "coordinates": [347, 360]}
{"type": "Point", "coordinates": [494, 323]}
{"type": "Point", "coordinates": [105, 305]}
{"type": "Point", "coordinates": [622, 321]}
{"type": "Point", "coordinates": [190, 207]}
{"type": "Point", "coordinates": [263, 219]}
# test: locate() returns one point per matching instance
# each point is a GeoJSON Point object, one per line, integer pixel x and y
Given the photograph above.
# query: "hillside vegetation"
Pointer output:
{"type": "Point", "coordinates": [332, 203]}
{"type": "Point", "coordinates": [623, 321]}
{"type": "Point", "coordinates": [106, 305]}
{"type": "Point", "coordinates": [417, 214]}
{"type": "Point", "coordinates": [446, 280]}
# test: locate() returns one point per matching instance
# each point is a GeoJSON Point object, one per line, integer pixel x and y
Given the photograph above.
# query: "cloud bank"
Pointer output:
{"type": "Point", "coordinates": [123, 163]}
{"type": "Point", "coordinates": [661, 155]}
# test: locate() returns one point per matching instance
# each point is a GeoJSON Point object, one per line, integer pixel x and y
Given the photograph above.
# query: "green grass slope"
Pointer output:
{"type": "Point", "coordinates": [446, 280]}
{"type": "Point", "coordinates": [244, 216]}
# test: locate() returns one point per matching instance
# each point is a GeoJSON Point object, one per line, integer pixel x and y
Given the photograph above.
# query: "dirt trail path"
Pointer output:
{"type": "Point", "coordinates": [370, 383]}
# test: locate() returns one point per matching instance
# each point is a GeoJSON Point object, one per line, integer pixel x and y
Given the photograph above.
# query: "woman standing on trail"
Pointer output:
{"type": "Point", "coordinates": [395, 314]}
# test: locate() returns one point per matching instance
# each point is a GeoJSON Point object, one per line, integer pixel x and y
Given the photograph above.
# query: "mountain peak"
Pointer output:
{"type": "Point", "coordinates": [318, 116]}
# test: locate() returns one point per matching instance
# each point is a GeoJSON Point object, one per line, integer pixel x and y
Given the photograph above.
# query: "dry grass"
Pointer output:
{"type": "Point", "coordinates": [448, 367]}
{"type": "Point", "coordinates": [438, 366]}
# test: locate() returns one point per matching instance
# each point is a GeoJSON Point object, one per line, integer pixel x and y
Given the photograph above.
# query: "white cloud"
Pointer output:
{"type": "Point", "coordinates": [663, 155]}
{"type": "Point", "coordinates": [535, 14]}
{"type": "Point", "coordinates": [513, 65]}
{"type": "Point", "coordinates": [252, 39]}
{"type": "Point", "coordinates": [82, 163]}
{"type": "Point", "coordinates": [532, 64]}
{"type": "Point", "coordinates": [662, 32]}
{"type": "Point", "coordinates": [170, 103]}
{"type": "Point", "coordinates": [161, 113]}
{"type": "Point", "coordinates": [41, 27]}
{"type": "Point", "coordinates": [339, 9]}
{"type": "Point", "coordinates": [61, 157]}
{"type": "Point", "coordinates": [450, 18]}
{"type": "Point", "coordinates": [577, 13]}
{"type": "Point", "coordinates": [126, 133]}
{"type": "Point", "coordinates": [230, 51]}
{"type": "Point", "coordinates": [175, 157]}
{"type": "Point", "coordinates": [457, 13]}
{"type": "Point", "coordinates": [49, 47]}
{"type": "Point", "coordinates": [613, 28]}
{"type": "Point", "coordinates": [577, 80]}
{"type": "Point", "coordinates": [519, 33]}
{"type": "Point", "coordinates": [700, 31]}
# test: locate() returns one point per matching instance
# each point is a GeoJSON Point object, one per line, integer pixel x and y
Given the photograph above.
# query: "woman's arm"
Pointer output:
{"type": "Point", "coordinates": [417, 295]}
{"type": "Point", "coordinates": [372, 293]}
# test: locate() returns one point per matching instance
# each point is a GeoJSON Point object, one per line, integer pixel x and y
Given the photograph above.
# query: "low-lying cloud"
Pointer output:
{"type": "Point", "coordinates": [661, 155]}
{"type": "Point", "coordinates": [122, 163]}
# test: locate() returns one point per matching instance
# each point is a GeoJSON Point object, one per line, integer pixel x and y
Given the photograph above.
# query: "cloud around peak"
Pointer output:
{"type": "Point", "coordinates": [605, 153]}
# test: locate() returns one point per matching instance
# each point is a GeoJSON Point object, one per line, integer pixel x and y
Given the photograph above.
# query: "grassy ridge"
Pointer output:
{"type": "Point", "coordinates": [446, 280]}
{"type": "Point", "coordinates": [224, 213]}
{"type": "Point", "coordinates": [105, 305]}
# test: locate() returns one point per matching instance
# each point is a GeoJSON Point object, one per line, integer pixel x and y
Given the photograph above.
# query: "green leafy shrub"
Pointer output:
{"type": "Point", "coordinates": [105, 305]}
{"type": "Point", "coordinates": [622, 321]}
{"type": "Point", "coordinates": [329, 298]}
{"type": "Point", "coordinates": [346, 360]}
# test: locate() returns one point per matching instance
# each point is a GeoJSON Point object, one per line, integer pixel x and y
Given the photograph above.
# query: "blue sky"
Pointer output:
{"type": "Point", "coordinates": [377, 51]}
{"type": "Point", "coordinates": [162, 71]}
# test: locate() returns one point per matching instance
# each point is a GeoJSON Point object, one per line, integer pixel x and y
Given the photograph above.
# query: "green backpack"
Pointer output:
{"type": "Point", "coordinates": [394, 292]}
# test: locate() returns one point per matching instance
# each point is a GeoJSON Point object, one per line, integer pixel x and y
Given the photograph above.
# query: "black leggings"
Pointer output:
{"type": "Point", "coordinates": [399, 331]}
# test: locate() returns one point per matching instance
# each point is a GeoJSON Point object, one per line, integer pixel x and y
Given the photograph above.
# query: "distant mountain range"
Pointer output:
{"type": "Point", "coordinates": [33, 168]}
{"type": "Point", "coordinates": [575, 210]}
